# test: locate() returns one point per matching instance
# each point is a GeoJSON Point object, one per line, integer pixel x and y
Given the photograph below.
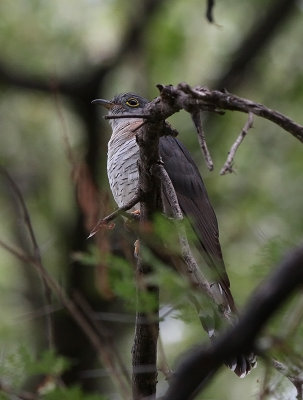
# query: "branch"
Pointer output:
{"type": "Point", "coordinates": [195, 371]}
{"type": "Point", "coordinates": [209, 10]}
{"type": "Point", "coordinates": [174, 98]}
{"type": "Point", "coordinates": [144, 353]}
{"type": "Point", "coordinates": [227, 167]}
{"type": "Point", "coordinates": [228, 101]}
{"type": "Point", "coordinates": [196, 117]}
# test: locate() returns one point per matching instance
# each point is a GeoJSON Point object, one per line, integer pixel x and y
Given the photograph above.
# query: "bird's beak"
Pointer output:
{"type": "Point", "coordinates": [105, 103]}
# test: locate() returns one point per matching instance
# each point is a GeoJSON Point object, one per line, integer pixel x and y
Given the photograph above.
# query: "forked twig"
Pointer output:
{"type": "Point", "coordinates": [227, 167]}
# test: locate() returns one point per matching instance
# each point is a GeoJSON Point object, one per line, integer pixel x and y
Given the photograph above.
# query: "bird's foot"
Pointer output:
{"type": "Point", "coordinates": [136, 214]}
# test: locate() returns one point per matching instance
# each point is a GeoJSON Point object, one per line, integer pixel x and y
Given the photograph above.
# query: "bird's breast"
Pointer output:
{"type": "Point", "coordinates": [122, 168]}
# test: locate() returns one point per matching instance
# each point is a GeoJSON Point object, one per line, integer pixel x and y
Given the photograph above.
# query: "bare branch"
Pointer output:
{"type": "Point", "coordinates": [174, 98]}
{"type": "Point", "coordinates": [227, 167]}
{"type": "Point", "coordinates": [228, 101]}
{"type": "Point", "coordinates": [196, 117]}
{"type": "Point", "coordinates": [209, 10]}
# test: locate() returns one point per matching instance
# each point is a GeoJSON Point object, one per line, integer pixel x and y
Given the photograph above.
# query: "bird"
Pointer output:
{"type": "Point", "coordinates": [123, 175]}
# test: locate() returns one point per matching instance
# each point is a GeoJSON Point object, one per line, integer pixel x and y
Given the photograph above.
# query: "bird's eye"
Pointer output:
{"type": "Point", "coordinates": [132, 102]}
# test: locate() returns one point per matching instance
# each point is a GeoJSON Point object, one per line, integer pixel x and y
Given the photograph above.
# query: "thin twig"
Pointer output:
{"type": "Point", "coordinates": [209, 10]}
{"type": "Point", "coordinates": [68, 149]}
{"type": "Point", "coordinates": [36, 250]}
{"type": "Point", "coordinates": [104, 221]}
{"type": "Point", "coordinates": [41, 312]}
{"type": "Point", "coordinates": [163, 362]}
{"type": "Point", "coordinates": [228, 101]}
{"type": "Point", "coordinates": [227, 167]}
{"type": "Point", "coordinates": [196, 117]}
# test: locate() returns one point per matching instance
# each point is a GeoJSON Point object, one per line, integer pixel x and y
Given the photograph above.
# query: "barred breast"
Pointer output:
{"type": "Point", "coordinates": [122, 169]}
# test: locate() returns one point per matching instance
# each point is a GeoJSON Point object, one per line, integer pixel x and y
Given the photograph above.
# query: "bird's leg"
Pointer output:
{"type": "Point", "coordinates": [136, 214]}
{"type": "Point", "coordinates": [137, 248]}
{"type": "Point", "coordinates": [105, 221]}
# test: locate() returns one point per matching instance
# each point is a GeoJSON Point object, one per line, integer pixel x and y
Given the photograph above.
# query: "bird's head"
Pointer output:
{"type": "Point", "coordinates": [125, 103]}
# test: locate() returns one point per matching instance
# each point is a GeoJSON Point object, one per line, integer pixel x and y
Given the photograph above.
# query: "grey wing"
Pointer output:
{"type": "Point", "coordinates": [195, 204]}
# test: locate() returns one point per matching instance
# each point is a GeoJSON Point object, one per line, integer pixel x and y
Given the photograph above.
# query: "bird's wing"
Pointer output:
{"type": "Point", "coordinates": [194, 203]}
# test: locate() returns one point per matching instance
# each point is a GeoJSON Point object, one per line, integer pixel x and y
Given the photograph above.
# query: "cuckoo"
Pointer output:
{"type": "Point", "coordinates": [123, 175]}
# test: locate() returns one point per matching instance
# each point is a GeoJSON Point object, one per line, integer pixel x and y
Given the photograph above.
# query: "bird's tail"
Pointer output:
{"type": "Point", "coordinates": [242, 364]}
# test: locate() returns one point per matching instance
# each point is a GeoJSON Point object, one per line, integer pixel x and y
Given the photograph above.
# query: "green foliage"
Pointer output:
{"type": "Point", "coordinates": [19, 365]}
{"type": "Point", "coordinates": [48, 363]}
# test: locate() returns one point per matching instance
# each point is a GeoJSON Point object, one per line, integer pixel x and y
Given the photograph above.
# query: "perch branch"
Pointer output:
{"type": "Point", "coordinates": [144, 352]}
{"type": "Point", "coordinates": [174, 98]}
{"type": "Point", "coordinates": [194, 372]}
{"type": "Point", "coordinates": [227, 167]}
{"type": "Point", "coordinates": [228, 101]}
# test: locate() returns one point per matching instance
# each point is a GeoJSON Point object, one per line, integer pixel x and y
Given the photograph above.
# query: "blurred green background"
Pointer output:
{"type": "Point", "coordinates": [57, 56]}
